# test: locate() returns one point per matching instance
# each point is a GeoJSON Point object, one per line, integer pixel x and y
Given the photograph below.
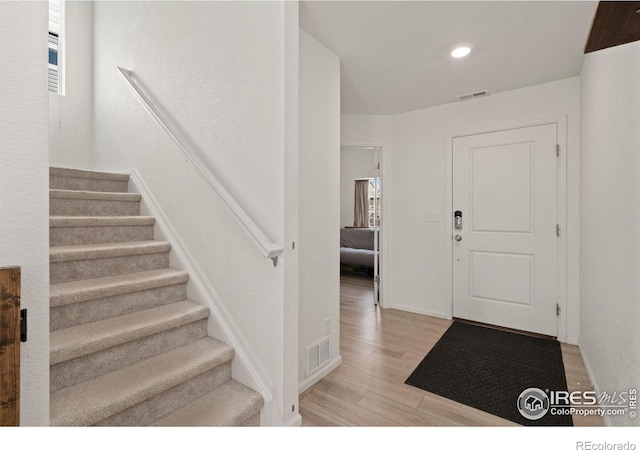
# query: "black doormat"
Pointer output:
{"type": "Point", "coordinates": [489, 369]}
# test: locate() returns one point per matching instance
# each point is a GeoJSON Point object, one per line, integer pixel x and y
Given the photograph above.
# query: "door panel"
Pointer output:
{"type": "Point", "coordinates": [9, 346]}
{"type": "Point", "coordinates": [501, 277]}
{"type": "Point", "coordinates": [505, 261]}
{"type": "Point", "coordinates": [501, 186]}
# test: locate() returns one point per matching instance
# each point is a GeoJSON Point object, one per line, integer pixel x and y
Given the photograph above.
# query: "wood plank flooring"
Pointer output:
{"type": "Point", "coordinates": [380, 348]}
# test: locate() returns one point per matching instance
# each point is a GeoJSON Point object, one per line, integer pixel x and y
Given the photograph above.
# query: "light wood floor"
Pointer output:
{"type": "Point", "coordinates": [380, 349]}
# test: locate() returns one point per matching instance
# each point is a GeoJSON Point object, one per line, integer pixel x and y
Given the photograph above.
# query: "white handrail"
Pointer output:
{"type": "Point", "coordinates": [268, 248]}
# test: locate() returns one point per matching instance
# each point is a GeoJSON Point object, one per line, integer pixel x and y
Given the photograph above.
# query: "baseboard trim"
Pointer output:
{"type": "Point", "coordinates": [320, 374]}
{"type": "Point", "coordinates": [424, 312]}
{"type": "Point", "coordinates": [592, 378]}
{"type": "Point", "coordinates": [252, 371]}
{"type": "Point", "coordinates": [571, 340]}
{"type": "Point", "coordinates": [295, 421]}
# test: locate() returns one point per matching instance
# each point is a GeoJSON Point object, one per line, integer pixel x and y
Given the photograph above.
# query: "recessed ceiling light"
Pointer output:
{"type": "Point", "coordinates": [460, 52]}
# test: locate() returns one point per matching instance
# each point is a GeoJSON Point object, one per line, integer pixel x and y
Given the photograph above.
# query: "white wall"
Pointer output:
{"type": "Point", "coordinates": [218, 69]}
{"type": "Point", "coordinates": [71, 115]}
{"type": "Point", "coordinates": [610, 219]}
{"type": "Point", "coordinates": [319, 199]}
{"type": "Point", "coordinates": [414, 174]}
{"type": "Point", "coordinates": [24, 184]}
{"type": "Point", "coordinates": [354, 163]}
{"type": "Point", "coordinates": [291, 210]}
{"type": "Point", "coordinates": [365, 130]}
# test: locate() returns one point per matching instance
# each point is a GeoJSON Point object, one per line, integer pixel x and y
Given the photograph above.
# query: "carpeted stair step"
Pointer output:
{"type": "Point", "coordinates": [81, 262]}
{"type": "Point", "coordinates": [73, 342]}
{"type": "Point", "coordinates": [230, 404]}
{"type": "Point", "coordinates": [140, 393]}
{"type": "Point", "coordinates": [79, 230]}
{"type": "Point", "coordinates": [86, 180]}
{"type": "Point", "coordinates": [86, 351]}
{"type": "Point", "coordinates": [86, 203]}
{"type": "Point", "coordinates": [127, 348]}
{"type": "Point", "coordinates": [79, 302]}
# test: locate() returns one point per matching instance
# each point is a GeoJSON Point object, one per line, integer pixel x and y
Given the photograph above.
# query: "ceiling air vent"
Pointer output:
{"type": "Point", "coordinates": [477, 94]}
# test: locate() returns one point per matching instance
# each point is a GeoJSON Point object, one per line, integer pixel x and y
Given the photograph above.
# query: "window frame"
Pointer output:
{"type": "Point", "coordinates": [56, 43]}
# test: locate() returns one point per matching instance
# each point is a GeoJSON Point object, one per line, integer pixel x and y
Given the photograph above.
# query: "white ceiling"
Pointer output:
{"type": "Point", "coordinates": [395, 55]}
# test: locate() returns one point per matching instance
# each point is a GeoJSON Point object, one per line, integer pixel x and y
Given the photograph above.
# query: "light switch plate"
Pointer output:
{"type": "Point", "coordinates": [431, 216]}
{"type": "Point", "coordinates": [327, 326]}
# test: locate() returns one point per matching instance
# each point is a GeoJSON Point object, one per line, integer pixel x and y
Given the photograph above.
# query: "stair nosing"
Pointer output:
{"type": "Point", "coordinates": [83, 252]}
{"type": "Point", "coordinates": [99, 221]}
{"type": "Point", "coordinates": [70, 401]}
{"type": "Point", "coordinates": [96, 288]}
{"type": "Point", "coordinates": [81, 340]}
{"type": "Point", "coordinates": [88, 174]}
{"type": "Point", "coordinates": [96, 399]}
{"type": "Point", "coordinates": [253, 403]}
{"type": "Point", "coordinates": [94, 195]}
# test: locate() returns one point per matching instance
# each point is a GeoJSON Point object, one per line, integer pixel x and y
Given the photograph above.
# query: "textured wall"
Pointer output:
{"type": "Point", "coordinates": [71, 115]}
{"type": "Point", "coordinates": [291, 210]}
{"type": "Point", "coordinates": [218, 70]}
{"type": "Point", "coordinates": [24, 184]}
{"type": "Point", "coordinates": [610, 219]}
{"type": "Point", "coordinates": [319, 196]}
{"type": "Point", "coordinates": [414, 181]}
{"type": "Point", "coordinates": [365, 130]}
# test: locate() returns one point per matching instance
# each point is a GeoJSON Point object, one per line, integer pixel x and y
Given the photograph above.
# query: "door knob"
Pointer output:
{"type": "Point", "coordinates": [458, 237]}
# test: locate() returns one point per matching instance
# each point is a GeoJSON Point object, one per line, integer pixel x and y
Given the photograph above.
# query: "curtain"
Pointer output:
{"type": "Point", "coordinates": [361, 204]}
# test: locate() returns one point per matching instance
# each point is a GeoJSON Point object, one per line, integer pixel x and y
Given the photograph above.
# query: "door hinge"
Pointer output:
{"type": "Point", "coordinates": [377, 279]}
{"type": "Point", "coordinates": [557, 150]}
{"type": "Point", "coordinates": [377, 165]}
{"type": "Point", "coordinates": [558, 230]}
{"type": "Point", "coordinates": [23, 325]}
{"type": "Point", "coordinates": [557, 309]}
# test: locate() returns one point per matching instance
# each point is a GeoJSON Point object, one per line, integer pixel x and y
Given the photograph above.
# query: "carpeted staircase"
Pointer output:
{"type": "Point", "coordinates": [127, 347]}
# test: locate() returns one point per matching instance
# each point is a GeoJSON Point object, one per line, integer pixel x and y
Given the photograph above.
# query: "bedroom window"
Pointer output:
{"type": "Point", "coordinates": [374, 198]}
{"type": "Point", "coordinates": [366, 203]}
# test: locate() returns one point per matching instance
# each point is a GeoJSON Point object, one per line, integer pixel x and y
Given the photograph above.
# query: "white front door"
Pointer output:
{"type": "Point", "coordinates": [505, 246]}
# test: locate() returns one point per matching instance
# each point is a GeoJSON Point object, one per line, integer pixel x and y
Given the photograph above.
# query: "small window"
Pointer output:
{"type": "Point", "coordinates": [374, 202]}
{"type": "Point", "coordinates": [54, 77]}
{"type": "Point", "coordinates": [56, 16]}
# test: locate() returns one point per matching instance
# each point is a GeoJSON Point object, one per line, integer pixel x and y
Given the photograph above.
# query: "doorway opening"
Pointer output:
{"type": "Point", "coordinates": [361, 215]}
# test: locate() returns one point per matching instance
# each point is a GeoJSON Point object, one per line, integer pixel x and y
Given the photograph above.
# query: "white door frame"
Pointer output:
{"type": "Point", "coordinates": [384, 209]}
{"type": "Point", "coordinates": [561, 122]}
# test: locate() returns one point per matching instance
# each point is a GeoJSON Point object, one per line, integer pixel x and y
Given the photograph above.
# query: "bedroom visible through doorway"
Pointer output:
{"type": "Point", "coordinates": [361, 215]}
